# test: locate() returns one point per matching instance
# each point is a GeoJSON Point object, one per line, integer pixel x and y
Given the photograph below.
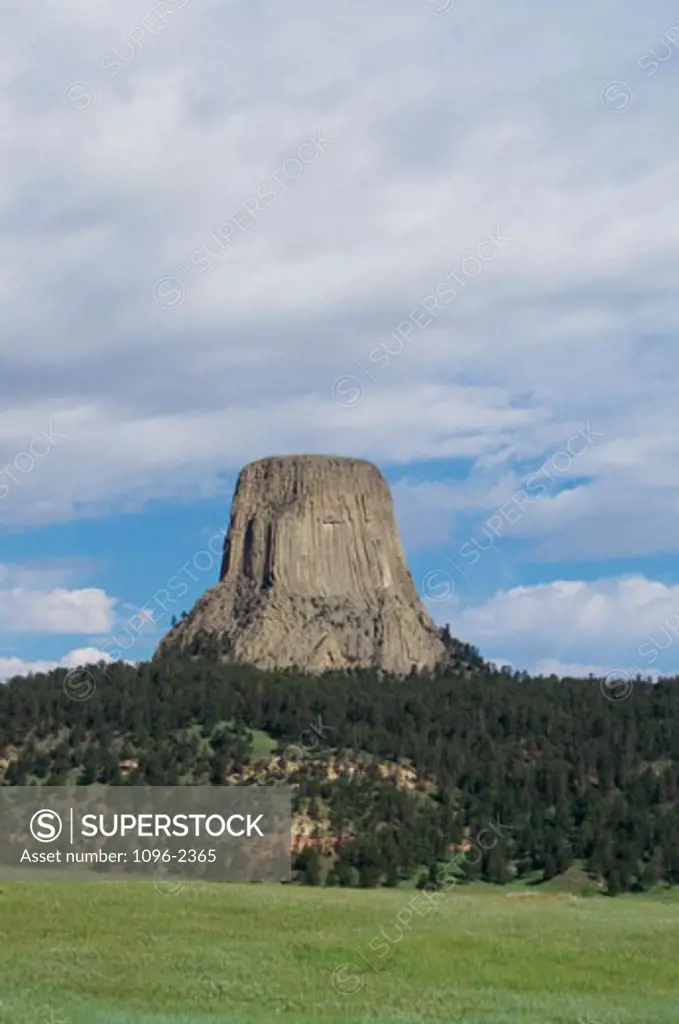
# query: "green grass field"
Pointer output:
{"type": "Point", "coordinates": [124, 953]}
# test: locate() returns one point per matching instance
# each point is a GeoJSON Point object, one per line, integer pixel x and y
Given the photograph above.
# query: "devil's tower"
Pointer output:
{"type": "Point", "coordinates": [313, 575]}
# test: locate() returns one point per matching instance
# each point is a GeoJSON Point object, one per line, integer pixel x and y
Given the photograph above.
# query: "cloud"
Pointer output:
{"type": "Point", "coordinates": [46, 573]}
{"type": "Point", "coordinates": [14, 666]}
{"type": "Point", "coordinates": [629, 623]}
{"type": "Point", "coordinates": [28, 604]}
{"type": "Point", "coordinates": [498, 482]}
{"type": "Point", "coordinates": [422, 167]}
{"type": "Point", "coordinates": [549, 667]}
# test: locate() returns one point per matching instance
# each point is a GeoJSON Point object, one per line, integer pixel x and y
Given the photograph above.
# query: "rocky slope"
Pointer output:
{"type": "Point", "coordinates": [313, 575]}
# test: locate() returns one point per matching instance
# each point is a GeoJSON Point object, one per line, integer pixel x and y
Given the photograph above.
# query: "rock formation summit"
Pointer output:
{"type": "Point", "coordinates": [313, 576]}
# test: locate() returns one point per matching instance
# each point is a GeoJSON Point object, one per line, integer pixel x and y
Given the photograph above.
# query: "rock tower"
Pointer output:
{"type": "Point", "coordinates": [313, 575]}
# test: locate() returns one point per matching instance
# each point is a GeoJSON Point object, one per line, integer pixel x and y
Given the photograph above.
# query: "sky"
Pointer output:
{"type": "Point", "coordinates": [443, 236]}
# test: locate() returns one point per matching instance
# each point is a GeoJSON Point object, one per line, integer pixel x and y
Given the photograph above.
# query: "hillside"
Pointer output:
{"type": "Point", "coordinates": [389, 774]}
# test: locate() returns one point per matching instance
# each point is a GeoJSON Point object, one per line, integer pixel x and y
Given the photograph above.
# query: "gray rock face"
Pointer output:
{"type": "Point", "coordinates": [313, 575]}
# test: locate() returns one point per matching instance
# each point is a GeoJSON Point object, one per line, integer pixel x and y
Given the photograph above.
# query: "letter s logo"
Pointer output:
{"type": "Point", "coordinates": [46, 826]}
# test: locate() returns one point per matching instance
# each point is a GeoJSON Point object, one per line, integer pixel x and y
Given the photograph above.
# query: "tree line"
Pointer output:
{"type": "Point", "coordinates": [573, 778]}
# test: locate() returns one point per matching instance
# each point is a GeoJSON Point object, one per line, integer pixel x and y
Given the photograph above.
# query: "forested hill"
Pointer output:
{"type": "Point", "coordinates": [392, 773]}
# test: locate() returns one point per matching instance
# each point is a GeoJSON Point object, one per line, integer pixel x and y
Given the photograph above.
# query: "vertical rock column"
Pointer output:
{"type": "Point", "coordinates": [313, 575]}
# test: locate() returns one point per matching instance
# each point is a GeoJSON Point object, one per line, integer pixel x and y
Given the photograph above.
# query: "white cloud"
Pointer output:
{"type": "Point", "coordinates": [549, 667]}
{"type": "Point", "coordinates": [29, 605]}
{"type": "Point", "coordinates": [562, 326]}
{"type": "Point", "coordinates": [14, 666]}
{"type": "Point", "coordinates": [628, 623]}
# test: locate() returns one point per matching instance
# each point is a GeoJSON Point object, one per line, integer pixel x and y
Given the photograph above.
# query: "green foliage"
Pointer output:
{"type": "Point", "coordinates": [572, 777]}
{"type": "Point", "coordinates": [308, 864]}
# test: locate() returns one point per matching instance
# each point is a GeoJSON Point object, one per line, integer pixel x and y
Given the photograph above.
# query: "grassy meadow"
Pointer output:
{"type": "Point", "coordinates": [125, 953]}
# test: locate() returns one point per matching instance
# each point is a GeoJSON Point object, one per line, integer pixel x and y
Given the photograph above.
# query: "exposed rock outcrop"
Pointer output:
{"type": "Point", "coordinates": [313, 575]}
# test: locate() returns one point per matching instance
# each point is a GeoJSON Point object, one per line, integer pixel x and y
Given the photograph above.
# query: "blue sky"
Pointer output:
{"type": "Point", "coordinates": [442, 236]}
